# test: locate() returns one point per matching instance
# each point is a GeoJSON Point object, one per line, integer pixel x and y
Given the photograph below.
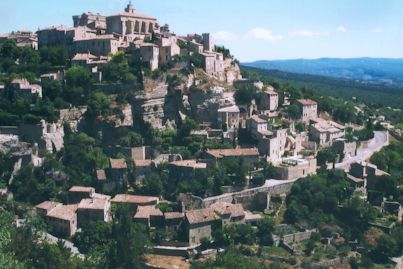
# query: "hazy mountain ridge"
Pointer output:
{"type": "Point", "coordinates": [384, 70]}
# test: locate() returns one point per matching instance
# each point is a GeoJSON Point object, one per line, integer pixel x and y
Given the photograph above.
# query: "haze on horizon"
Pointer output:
{"type": "Point", "coordinates": [263, 30]}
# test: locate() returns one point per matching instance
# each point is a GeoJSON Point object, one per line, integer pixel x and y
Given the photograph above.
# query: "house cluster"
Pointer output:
{"type": "Point", "coordinates": [85, 205]}
{"type": "Point", "coordinates": [22, 39]}
{"type": "Point", "coordinates": [22, 88]}
{"type": "Point", "coordinates": [94, 37]}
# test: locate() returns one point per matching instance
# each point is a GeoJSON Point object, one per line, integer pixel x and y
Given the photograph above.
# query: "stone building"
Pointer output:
{"type": "Point", "coordinates": [96, 208]}
{"type": "Point", "coordinates": [325, 132]}
{"type": "Point", "coordinates": [149, 215]}
{"type": "Point", "coordinates": [228, 117]}
{"type": "Point", "coordinates": [367, 171]}
{"type": "Point", "coordinates": [22, 88]}
{"type": "Point", "coordinates": [150, 53]}
{"type": "Point", "coordinates": [62, 35]}
{"type": "Point", "coordinates": [249, 156]}
{"type": "Point", "coordinates": [117, 175]}
{"type": "Point", "coordinates": [22, 39]}
{"type": "Point", "coordinates": [173, 220]}
{"type": "Point", "coordinates": [133, 201]}
{"type": "Point", "coordinates": [309, 109]}
{"type": "Point", "coordinates": [61, 218]}
{"type": "Point", "coordinates": [143, 169]}
{"type": "Point", "coordinates": [130, 24]}
{"type": "Point", "coordinates": [348, 149]}
{"type": "Point", "coordinates": [272, 144]}
{"type": "Point", "coordinates": [100, 45]}
{"type": "Point", "coordinates": [268, 100]}
{"type": "Point", "coordinates": [198, 224]}
{"type": "Point", "coordinates": [77, 193]}
{"type": "Point", "coordinates": [229, 213]}
{"type": "Point", "coordinates": [295, 168]}
{"type": "Point", "coordinates": [213, 63]}
{"type": "Point", "coordinates": [257, 127]}
{"type": "Point", "coordinates": [93, 21]}
{"type": "Point", "coordinates": [184, 170]}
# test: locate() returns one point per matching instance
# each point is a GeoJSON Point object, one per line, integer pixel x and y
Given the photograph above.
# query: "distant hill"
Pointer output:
{"type": "Point", "coordinates": [370, 70]}
{"type": "Point", "coordinates": [370, 93]}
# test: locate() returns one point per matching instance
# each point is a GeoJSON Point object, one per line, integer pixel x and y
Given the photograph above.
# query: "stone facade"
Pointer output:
{"type": "Point", "coordinates": [198, 224]}
{"type": "Point", "coordinates": [325, 132]}
{"type": "Point", "coordinates": [228, 117]}
{"type": "Point", "coordinates": [22, 88]}
{"type": "Point", "coordinates": [295, 168]}
{"type": "Point", "coordinates": [249, 156]}
{"type": "Point", "coordinates": [96, 208]}
{"type": "Point", "coordinates": [348, 149]}
{"type": "Point", "coordinates": [309, 109]}
{"type": "Point", "coordinates": [91, 20]}
{"type": "Point", "coordinates": [268, 100]}
{"type": "Point", "coordinates": [100, 45]}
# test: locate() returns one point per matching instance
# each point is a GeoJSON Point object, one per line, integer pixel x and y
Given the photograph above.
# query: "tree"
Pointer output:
{"type": "Point", "coordinates": [265, 227]}
{"type": "Point", "coordinates": [94, 238]}
{"type": "Point", "coordinates": [240, 233]}
{"type": "Point", "coordinates": [246, 94]}
{"type": "Point", "coordinates": [130, 241]}
{"type": "Point", "coordinates": [78, 77]}
{"type": "Point", "coordinates": [98, 105]}
{"type": "Point", "coordinates": [294, 112]}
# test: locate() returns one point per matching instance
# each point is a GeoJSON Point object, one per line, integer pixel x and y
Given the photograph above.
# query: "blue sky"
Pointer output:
{"type": "Point", "coordinates": [253, 30]}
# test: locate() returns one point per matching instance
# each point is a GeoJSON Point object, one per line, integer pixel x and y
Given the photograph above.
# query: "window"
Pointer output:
{"type": "Point", "coordinates": [193, 239]}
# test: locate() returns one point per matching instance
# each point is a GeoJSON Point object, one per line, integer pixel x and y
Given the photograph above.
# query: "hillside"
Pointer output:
{"type": "Point", "coordinates": [376, 94]}
{"type": "Point", "coordinates": [375, 70]}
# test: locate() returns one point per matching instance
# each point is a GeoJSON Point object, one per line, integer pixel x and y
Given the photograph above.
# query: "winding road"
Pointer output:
{"type": "Point", "coordinates": [380, 140]}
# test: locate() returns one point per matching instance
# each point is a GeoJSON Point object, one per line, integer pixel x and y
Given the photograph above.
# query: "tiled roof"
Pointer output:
{"type": "Point", "coordinates": [173, 215]}
{"type": "Point", "coordinates": [133, 15]}
{"type": "Point", "coordinates": [143, 163]}
{"type": "Point", "coordinates": [200, 216]}
{"type": "Point", "coordinates": [223, 208]}
{"type": "Point", "coordinates": [189, 163]}
{"type": "Point", "coordinates": [83, 57]}
{"type": "Point", "coordinates": [258, 119]}
{"type": "Point", "coordinates": [134, 199]}
{"type": "Point", "coordinates": [81, 189]}
{"type": "Point", "coordinates": [220, 153]}
{"type": "Point", "coordinates": [306, 102]}
{"type": "Point", "coordinates": [117, 163]}
{"type": "Point", "coordinates": [101, 174]}
{"type": "Point", "coordinates": [93, 203]}
{"type": "Point", "coordinates": [65, 212]}
{"type": "Point", "coordinates": [145, 212]}
{"type": "Point", "coordinates": [230, 109]}
{"type": "Point", "coordinates": [48, 205]}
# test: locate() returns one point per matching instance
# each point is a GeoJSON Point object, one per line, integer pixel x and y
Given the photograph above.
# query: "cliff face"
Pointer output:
{"type": "Point", "coordinates": [179, 93]}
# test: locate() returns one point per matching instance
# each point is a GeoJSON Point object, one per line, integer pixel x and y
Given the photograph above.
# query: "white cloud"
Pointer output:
{"type": "Point", "coordinates": [342, 29]}
{"type": "Point", "coordinates": [224, 36]}
{"type": "Point", "coordinates": [263, 34]}
{"type": "Point", "coordinates": [306, 33]}
{"type": "Point", "coordinates": [376, 30]}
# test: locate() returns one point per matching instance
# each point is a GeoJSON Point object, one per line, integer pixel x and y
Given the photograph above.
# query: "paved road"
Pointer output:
{"type": "Point", "coordinates": [380, 140]}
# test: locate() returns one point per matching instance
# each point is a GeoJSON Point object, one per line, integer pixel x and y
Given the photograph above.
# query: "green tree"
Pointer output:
{"type": "Point", "coordinates": [265, 227]}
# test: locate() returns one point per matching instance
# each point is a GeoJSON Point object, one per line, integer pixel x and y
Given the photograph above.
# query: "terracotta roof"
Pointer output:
{"type": "Point", "coordinates": [101, 196]}
{"type": "Point", "coordinates": [93, 203]}
{"type": "Point", "coordinates": [200, 216]}
{"type": "Point", "coordinates": [83, 57]}
{"type": "Point", "coordinates": [223, 208]}
{"type": "Point", "coordinates": [101, 174]}
{"type": "Point", "coordinates": [138, 163]}
{"type": "Point", "coordinates": [220, 153]}
{"type": "Point", "coordinates": [48, 205]}
{"type": "Point", "coordinates": [174, 215]}
{"type": "Point", "coordinates": [133, 15]}
{"type": "Point", "coordinates": [230, 109]}
{"type": "Point", "coordinates": [117, 163]}
{"type": "Point", "coordinates": [306, 102]}
{"type": "Point", "coordinates": [189, 163]}
{"type": "Point", "coordinates": [258, 119]}
{"type": "Point", "coordinates": [134, 199]}
{"type": "Point", "coordinates": [65, 212]}
{"type": "Point", "coordinates": [81, 189]}
{"type": "Point", "coordinates": [145, 212]}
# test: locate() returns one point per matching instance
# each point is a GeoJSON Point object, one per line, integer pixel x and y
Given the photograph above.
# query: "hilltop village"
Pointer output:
{"type": "Point", "coordinates": [119, 116]}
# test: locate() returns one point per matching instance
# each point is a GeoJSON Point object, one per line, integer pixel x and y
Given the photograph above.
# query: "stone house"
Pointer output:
{"type": "Point", "coordinates": [173, 220]}
{"type": "Point", "coordinates": [61, 218]}
{"type": "Point", "coordinates": [268, 100]}
{"type": "Point", "coordinates": [229, 213]}
{"type": "Point", "coordinates": [100, 45]}
{"type": "Point", "coordinates": [228, 117]}
{"type": "Point", "coordinates": [22, 39]}
{"type": "Point", "coordinates": [195, 47]}
{"type": "Point", "coordinates": [309, 109]}
{"type": "Point", "coordinates": [324, 132]}
{"type": "Point", "coordinates": [77, 193]}
{"type": "Point", "coordinates": [213, 63]}
{"type": "Point", "coordinates": [249, 156]}
{"type": "Point", "coordinates": [273, 144]}
{"type": "Point", "coordinates": [62, 35]}
{"type": "Point", "coordinates": [348, 149]}
{"type": "Point", "coordinates": [133, 201]}
{"type": "Point", "coordinates": [257, 127]}
{"type": "Point", "coordinates": [141, 153]}
{"type": "Point", "coordinates": [150, 53]}
{"type": "Point", "coordinates": [184, 170]}
{"type": "Point", "coordinates": [96, 208]}
{"type": "Point", "coordinates": [367, 171]}
{"type": "Point", "coordinates": [59, 75]}
{"type": "Point", "coordinates": [22, 88]}
{"type": "Point", "coordinates": [117, 174]}
{"type": "Point", "coordinates": [143, 168]}
{"type": "Point", "coordinates": [294, 168]}
{"type": "Point", "coordinates": [198, 224]}
{"type": "Point", "coordinates": [93, 21]}
{"type": "Point", "coordinates": [149, 215]}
